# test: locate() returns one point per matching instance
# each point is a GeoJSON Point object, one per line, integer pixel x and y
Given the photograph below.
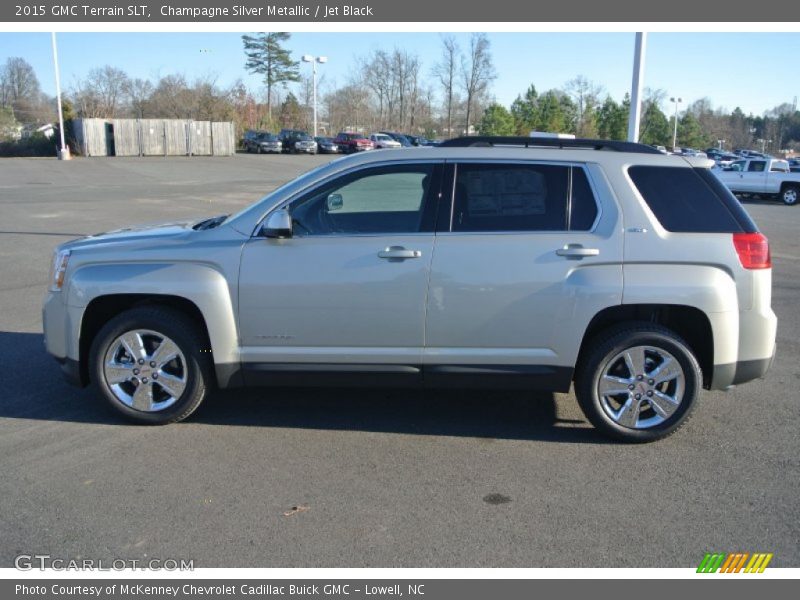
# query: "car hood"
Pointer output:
{"type": "Point", "coordinates": [147, 231]}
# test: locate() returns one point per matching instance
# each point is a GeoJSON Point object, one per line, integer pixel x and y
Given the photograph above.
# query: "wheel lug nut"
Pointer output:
{"type": "Point", "coordinates": [155, 375]}
{"type": "Point", "coordinates": [136, 371]}
{"type": "Point", "coordinates": [144, 379]}
{"type": "Point", "coordinates": [640, 377]}
{"type": "Point", "coordinates": [649, 392]}
{"type": "Point", "coordinates": [141, 361]}
{"type": "Point", "coordinates": [631, 386]}
{"type": "Point", "coordinates": [153, 364]}
{"type": "Point", "coordinates": [637, 396]}
{"type": "Point", "coordinates": [650, 381]}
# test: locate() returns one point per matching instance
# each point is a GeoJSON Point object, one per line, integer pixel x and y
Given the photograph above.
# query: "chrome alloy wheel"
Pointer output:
{"type": "Point", "coordinates": [145, 370]}
{"type": "Point", "coordinates": [641, 387]}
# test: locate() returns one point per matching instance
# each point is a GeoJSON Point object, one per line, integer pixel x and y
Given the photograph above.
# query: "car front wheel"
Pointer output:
{"type": "Point", "coordinates": [151, 364]}
{"type": "Point", "coordinates": [638, 383]}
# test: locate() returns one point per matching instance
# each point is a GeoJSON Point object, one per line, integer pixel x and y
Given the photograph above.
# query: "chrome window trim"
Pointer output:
{"type": "Point", "coordinates": [572, 164]}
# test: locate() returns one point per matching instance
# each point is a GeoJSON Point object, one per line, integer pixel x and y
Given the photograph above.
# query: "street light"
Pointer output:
{"type": "Point", "coordinates": [721, 143]}
{"type": "Point", "coordinates": [675, 131]}
{"type": "Point", "coordinates": [314, 60]}
{"type": "Point", "coordinates": [764, 144]}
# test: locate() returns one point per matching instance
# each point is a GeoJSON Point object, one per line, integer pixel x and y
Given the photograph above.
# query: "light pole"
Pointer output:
{"type": "Point", "coordinates": [721, 143]}
{"type": "Point", "coordinates": [675, 131]}
{"type": "Point", "coordinates": [764, 144]}
{"type": "Point", "coordinates": [637, 80]}
{"type": "Point", "coordinates": [314, 60]}
{"type": "Point", "coordinates": [63, 154]}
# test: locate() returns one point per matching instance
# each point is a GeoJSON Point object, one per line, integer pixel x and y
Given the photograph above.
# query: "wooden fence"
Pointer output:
{"type": "Point", "coordinates": [154, 137]}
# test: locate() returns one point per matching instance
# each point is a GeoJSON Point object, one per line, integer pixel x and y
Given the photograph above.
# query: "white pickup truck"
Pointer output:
{"type": "Point", "coordinates": [763, 177]}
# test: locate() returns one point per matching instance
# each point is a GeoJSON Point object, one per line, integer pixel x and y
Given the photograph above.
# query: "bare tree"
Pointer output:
{"type": "Point", "coordinates": [101, 93]}
{"type": "Point", "coordinates": [446, 71]}
{"type": "Point", "coordinates": [477, 72]}
{"type": "Point", "coordinates": [20, 90]}
{"type": "Point", "coordinates": [137, 92]}
{"type": "Point", "coordinates": [586, 96]}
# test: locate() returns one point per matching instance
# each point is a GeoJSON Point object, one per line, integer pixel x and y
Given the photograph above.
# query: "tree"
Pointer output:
{"type": "Point", "coordinates": [496, 120]}
{"type": "Point", "coordinates": [446, 72]}
{"type": "Point", "coordinates": [266, 56]}
{"type": "Point", "coordinates": [690, 134]}
{"type": "Point", "coordinates": [291, 114]}
{"type": "Point", "coordinates": [20, 90]}
{"type": "Point", "coordinates": [102, 92]}
{"type": "Point", "coordinates": [551, 113]}
{"type": "Point", "coordinates": [655, 126]}
{"type": "Point", "coordinates": [9, 128]}
{"type": "Point", "coordinates": [477, 72]}
{"type": "Point", "coordinates": [137, 93]}
{"type": "Point", "coordinates": [584, 93]}
{"type": "Point", "coordinates": [526, 112]}
{"type": "Point", "coordinates": [612, 119]}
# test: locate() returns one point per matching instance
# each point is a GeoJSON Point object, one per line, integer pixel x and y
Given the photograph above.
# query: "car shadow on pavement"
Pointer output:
{"type": "Point", "coordinates": [38, 392]}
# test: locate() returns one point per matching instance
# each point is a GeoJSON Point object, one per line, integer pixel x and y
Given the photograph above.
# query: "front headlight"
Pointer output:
{"type": "Point", "coordinates": [60, 261]}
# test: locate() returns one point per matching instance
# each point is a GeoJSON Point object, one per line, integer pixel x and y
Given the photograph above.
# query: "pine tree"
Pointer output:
{"type": "Point", "coordinates": [266, 56]}
{"type": "Point", "coordinates": [496, 121]}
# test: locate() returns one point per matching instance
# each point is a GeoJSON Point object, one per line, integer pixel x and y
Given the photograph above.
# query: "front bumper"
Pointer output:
{"type": "Point", "coordinates": [59, 339]}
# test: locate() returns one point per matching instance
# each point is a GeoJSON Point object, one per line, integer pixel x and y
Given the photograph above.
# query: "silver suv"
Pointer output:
{"type": "Point", "coordinates": [491, 262]}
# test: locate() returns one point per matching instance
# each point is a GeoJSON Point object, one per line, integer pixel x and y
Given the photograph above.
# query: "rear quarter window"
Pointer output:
{"type": "Point", "coordinates": [688, 200]}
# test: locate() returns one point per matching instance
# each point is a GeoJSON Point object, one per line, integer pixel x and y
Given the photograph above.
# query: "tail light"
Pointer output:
{"type": "Point", "coordinates": [753, 250]}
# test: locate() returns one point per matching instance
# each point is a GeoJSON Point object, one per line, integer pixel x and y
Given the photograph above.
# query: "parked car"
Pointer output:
{"type": "Point", "coordinates": [770, 177]}
{"type": "Point", "coordinates": [398, 137]}
{"type": "Point", "coordinates": [332, 279]}
{"type": "Point", "coordinates": [794, 165]}
{"type": "Point", "coordinates": [326, 145]}
{"type": "Point", "coordinates": [249, 138]}
{"type": "Point", "coordinates": [381, 140]}
{"type": "Point", "coordinates": [265, 143]}
{"type": "Point", "coordinates": [296, 141]}
{"type": "Point", "coordinates": [351, 142]}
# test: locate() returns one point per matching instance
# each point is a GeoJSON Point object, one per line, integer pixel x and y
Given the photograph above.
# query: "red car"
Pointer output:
{"type": "Point", "coordinates": [353, 142]}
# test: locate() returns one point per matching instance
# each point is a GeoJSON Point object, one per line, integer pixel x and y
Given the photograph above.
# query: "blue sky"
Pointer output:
{"type": "Point", "coordinates": [752, 70]}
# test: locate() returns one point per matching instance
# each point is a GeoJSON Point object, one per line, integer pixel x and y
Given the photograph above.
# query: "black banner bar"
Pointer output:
{"type": "Point", "coordinates": [461, 11]}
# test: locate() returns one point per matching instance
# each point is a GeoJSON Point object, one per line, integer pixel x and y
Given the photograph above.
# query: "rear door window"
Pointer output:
{"type": "Point", "coordinates": [498, 197]}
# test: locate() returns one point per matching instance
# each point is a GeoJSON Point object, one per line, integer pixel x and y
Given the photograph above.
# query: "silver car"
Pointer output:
{"type": "Point", "coordinates": [634, 276]}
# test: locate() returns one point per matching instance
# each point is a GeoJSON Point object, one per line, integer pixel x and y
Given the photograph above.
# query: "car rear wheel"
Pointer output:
{"type": "Point", "coordinates": [790, 195]}
{"type": "Point", "coordinates": [638, 383]}
{"type": "Point", "coordinates": [151, 365]}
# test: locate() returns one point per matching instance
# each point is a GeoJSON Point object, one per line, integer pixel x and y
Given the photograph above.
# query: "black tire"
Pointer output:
{"type": "Point", "coordinates": [790, 195]}
{"type": "Point", "coordinates": [609, 344]}
{"type": "Point", "coordinates": [184, 333]}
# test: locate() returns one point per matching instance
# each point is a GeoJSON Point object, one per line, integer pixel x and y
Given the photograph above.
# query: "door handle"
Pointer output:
{"type": "Point", "coordinates": [398, 253]}
{"type": "Point", "coordinates": [576, 251]}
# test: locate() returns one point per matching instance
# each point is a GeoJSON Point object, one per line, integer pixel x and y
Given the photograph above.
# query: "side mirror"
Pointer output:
{"type": "Point", "coordinates": [334, 202]}
{"type": "Point", "coordinates": [278, 225]}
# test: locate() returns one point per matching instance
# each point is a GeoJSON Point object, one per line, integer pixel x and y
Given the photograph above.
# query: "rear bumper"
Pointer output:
{"type": "Point", "coordinates": [743, 371]}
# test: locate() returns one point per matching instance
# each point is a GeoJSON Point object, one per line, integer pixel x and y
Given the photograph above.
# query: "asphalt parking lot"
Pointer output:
{"type": "Point", "coordinates": [390, 477]}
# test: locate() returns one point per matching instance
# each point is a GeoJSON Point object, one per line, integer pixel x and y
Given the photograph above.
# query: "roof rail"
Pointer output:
{"type": "Point", "coordinates": [541, 142]}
